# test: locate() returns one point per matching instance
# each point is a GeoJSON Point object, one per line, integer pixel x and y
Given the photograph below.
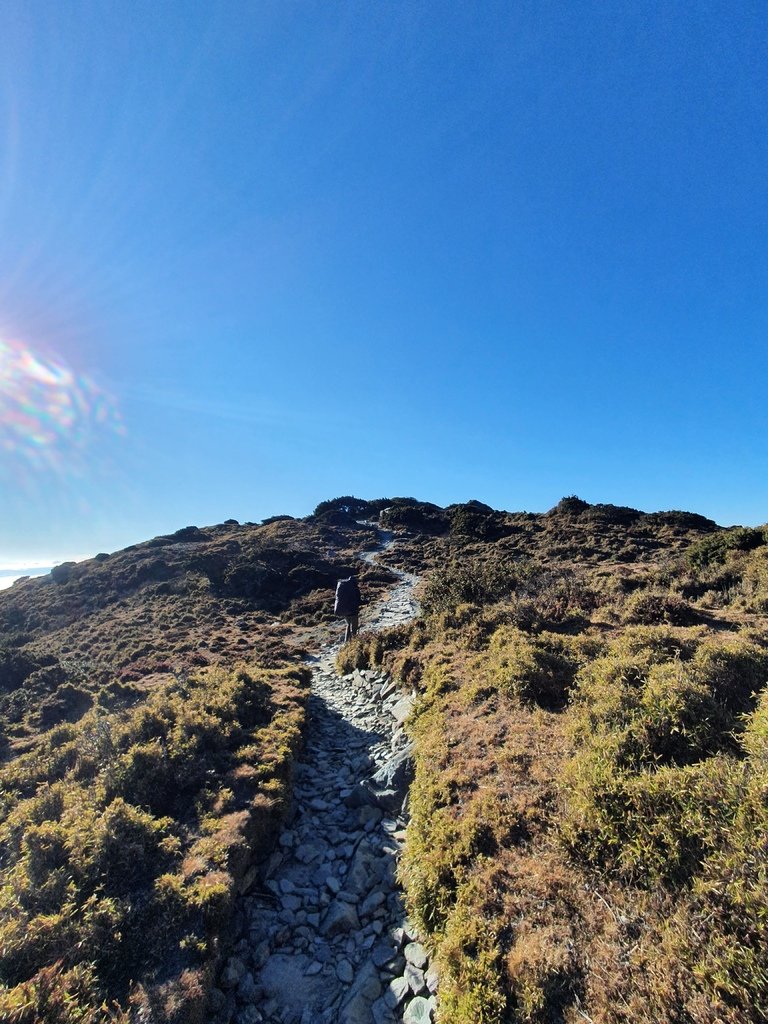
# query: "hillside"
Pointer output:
{"type": "Point", "coordinates": [589, 756]}
{"type": "Point", "coordinates": [589, 807]}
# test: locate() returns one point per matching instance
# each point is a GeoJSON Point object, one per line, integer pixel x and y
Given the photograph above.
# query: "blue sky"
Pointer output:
{"type": "Point", "coordinates": [254, 255]}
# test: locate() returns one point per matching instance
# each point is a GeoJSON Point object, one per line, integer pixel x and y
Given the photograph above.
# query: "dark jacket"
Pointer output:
{"type": "Point", "coordinates": [347, 597]}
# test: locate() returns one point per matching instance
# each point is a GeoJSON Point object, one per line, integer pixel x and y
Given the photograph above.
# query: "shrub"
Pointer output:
{"type": "Point", "coordinates": [655, 781]}
{"type": "Point", "coordinates": [570, 506]}
{"type": "Point", "coordinates": [477, 522]}
{"type": "Point", "coordinates": [96, 884]}
{"type": "Point", "coordinates": [653, 607]}
{"type": "Point", "coordinates": [532, 670]}
{"type": "Point", "coordinates": [754, 582]}
{"type": "Point", "coordinates": [346, 505]}
{"type": "Point", "coordinates": [59, 996]}
{"type": "Point", "coordinates": [419, 517]}
{"type": "Point", "coordinates": [714, 549]}
{"type": "Point", "coordinates": [470, 581]}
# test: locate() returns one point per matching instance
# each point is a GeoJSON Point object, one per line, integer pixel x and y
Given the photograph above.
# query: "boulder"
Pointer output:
{"type": "Point", "coordinates": [340, 918]}
{"type": "Point", "coordinates": [416, 954]}
{"type": "Point", "coordinates": [389, 786]}
{"type": "Point", "coordinates": [418, 1011]}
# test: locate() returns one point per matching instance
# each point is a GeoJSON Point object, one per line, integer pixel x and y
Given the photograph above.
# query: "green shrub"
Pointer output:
{"type": "Point", "coordinates": [98, 885]}
{"type": "Point", "coordinates": [713, 550]}
{"type": "Point", "coordinates": [754, 582]}
{"type": "Point", "coordinates": [652, 607]}
{"type": "Point", "coordinates": [657, 778]}
{"type": "Point", "coordinates": [417, 516]}
{"type": "Point", "coordinates": [476, 521]}
{"type": "Point", "coordinates": [531, 670]}
{"type": "Point", "coordinates": [468, 582]}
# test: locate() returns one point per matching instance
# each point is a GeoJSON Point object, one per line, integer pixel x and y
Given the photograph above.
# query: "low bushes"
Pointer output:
{"type": "Point", "coordinates": [550, 595]}
{"type": "Point", "coordinates": [655, 607]}
{"type": "Point", "coordinates": [667, 789]}
{"type": "Point", "coordinates": [534, 670]}
{"type": "Point", "coordinates": [123, 838]}
{"type": "Point", "coordinates": [714, 549]}
{"type": "Point", "coordinates": [549, 763]}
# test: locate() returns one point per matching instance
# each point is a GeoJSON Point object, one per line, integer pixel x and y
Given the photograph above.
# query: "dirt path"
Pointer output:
{"type": "Point", "coordinates": [327, 940]}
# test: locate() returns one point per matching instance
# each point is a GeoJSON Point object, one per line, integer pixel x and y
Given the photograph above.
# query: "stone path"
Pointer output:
{"type": "Point", "coordinates": [326, 941]}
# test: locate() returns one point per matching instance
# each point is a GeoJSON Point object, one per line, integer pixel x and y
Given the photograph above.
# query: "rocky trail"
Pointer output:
{"type": "Point", "coordinates": [325, 938]}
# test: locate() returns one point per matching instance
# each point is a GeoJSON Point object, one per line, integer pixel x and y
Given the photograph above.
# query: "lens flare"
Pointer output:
{"type": "Point", "coordinates": [49, 415]}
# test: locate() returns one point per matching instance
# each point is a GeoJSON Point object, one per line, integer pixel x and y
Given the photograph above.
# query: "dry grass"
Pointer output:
{"type": "Point", "coordinates": [585, 838]}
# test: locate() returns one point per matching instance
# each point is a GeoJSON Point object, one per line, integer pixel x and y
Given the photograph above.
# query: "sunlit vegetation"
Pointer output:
{"type": "Point", "coordinates": [123, 839]}
{"type": "Point", "coordinates": [587, 839]}
{"type": "Point", "coordinates": [590, 809]}
{"type": "Point", "coordinates": [151, 705]}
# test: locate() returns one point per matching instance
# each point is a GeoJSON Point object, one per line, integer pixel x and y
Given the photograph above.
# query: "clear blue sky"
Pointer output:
{"type": "Point", "coordinates": [254, 255]}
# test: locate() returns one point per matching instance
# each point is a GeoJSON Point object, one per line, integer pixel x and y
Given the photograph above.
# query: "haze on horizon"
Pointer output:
{"type": "Point", "coordinates": [255, 256]}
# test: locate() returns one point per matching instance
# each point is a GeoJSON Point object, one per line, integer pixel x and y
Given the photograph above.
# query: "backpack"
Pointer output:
{"type": "Point", "coordinates": [347, 598]}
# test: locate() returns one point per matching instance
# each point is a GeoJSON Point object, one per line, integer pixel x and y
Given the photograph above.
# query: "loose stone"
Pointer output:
{"type": "Point", "coordinates": [344, 971]}
{"type": "Point", "coordinates": [418, 1011]}
{"type": "Point", "coordinates": [416, 954]}
{"type": "Point", "coordinates": [328, 948]}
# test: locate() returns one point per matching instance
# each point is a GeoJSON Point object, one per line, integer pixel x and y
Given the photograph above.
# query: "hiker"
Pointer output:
{"type": "Point", "coordinates": [347, 604]}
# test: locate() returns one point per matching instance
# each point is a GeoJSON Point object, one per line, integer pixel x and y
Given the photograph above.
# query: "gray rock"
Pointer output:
{"type": "Point", "coordinates": [314, 968]}
{"type": "Point", "coordinates": [369, 817]}
{"type": "Point", "coordinates": [344, 972]}
{"type": "Point", "coordinates": [371, 902]}
{"type": "Point", "coordinates": [227, 1014]}
{"type": "Point", "coordinates": [418, 1011]}
{"type": "Point", "coordinates": [247, 990]}
{"type": "Point", "coordinates": [248, 880]}
{"type": "Point", "coordinates": [397, 771]}
{"type": "Point", "coordinates": [381, 1013]}
{"type": "Point", "coordinates": [340, 918]}
{"type": "Point", "coordinates": [383, 953]}
{"type": "Point", "coordinates": [416, 954]}
{"type": "Point", "coordinates": [388, 800]}
{"type": "Point", "coordinates": [232, 973]}
{"type": "Point", "coordinates": [387, 689]}
{"type": "Point", "coordinates": [307, 853]}
{"type": "Point", "coordinates": [356, 1011]}
{"type": "Point", "coordinates": [366, 989]}
{"type": "Point", "coordinates": [273, 863]}
{"type": "Point", "coordinates": [249, 1015]}
{"type": "Point", "coordinates": [415, 979]}
{"type": "Point", "coordinates": [359, 796]}
{"type": "Point", "coordinates": [216, 1000]}
{"type": "Point", "coordinates": [367, 984]}
{"type": "Point", "coordinates": [397, 992]}
{"type": "Point", "coordinates": [362, 869]}
{"type": "Point", "coordinates": [432, 979]}
{"type": "Point", "coordinates": [402, 709]}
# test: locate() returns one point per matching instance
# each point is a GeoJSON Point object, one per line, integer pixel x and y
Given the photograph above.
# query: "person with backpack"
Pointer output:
{"type": "Point", "coordinates": [347, 605]}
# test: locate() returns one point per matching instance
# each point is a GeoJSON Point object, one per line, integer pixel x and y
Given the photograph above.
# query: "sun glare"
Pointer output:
{"type": "Point", "coordinates": [48, 413]}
